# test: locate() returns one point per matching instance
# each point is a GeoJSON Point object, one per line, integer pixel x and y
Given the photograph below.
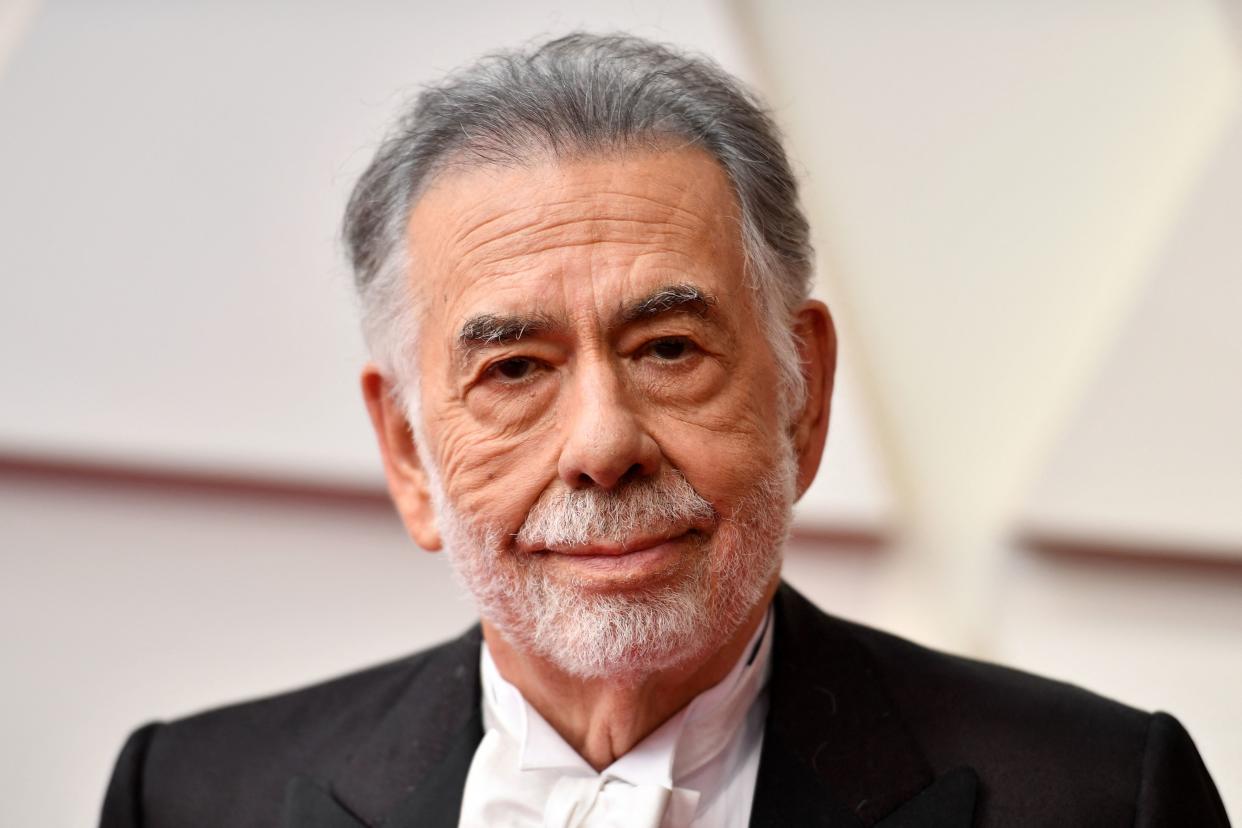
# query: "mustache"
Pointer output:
{"type": "Point", "coordinates": [651, 505]}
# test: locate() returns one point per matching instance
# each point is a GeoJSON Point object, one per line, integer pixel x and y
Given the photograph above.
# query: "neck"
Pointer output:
{"type": "Point", "coordinates": [602, 719]}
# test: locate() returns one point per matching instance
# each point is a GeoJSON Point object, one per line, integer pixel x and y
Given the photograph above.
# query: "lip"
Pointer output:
{"type": "Point", "coordinates": [609, 550]}
{"type": "Point", "coordinates": [619, 566]}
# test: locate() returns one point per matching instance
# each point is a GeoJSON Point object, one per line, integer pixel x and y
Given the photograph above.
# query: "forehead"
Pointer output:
{"type": "Point", "coordinates": [573, 236]}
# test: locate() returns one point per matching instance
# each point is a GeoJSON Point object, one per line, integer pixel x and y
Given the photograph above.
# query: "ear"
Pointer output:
{"type": "Point", "coordinates": [817, 351]}
{"type": "Point", "coordinates": [408, 483]}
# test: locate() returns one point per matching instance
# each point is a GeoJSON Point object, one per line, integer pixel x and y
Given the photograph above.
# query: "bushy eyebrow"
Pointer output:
{"type": "Point", "coordinates": [683, 298]}
{"type": "Point", "coordinates": [496, 329]}
{"type": "Point", "coordinates": [487, 330]}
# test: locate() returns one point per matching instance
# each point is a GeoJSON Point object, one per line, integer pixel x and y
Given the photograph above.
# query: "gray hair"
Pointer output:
{"type": "Point", "coordinates": [579, 93]}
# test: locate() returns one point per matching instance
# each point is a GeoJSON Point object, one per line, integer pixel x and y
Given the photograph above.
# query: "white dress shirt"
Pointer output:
{"type": "Point", "coordinates": [696, 770]}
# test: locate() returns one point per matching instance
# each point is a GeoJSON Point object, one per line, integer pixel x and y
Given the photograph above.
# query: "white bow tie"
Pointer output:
{"type": "Point", "coordinates": [563, 797]}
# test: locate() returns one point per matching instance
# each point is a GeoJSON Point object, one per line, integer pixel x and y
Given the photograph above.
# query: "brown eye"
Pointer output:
{"type": "Point", "coordinates": [670, 349]}
{"type": "Point", "coordinates": [514, 369]}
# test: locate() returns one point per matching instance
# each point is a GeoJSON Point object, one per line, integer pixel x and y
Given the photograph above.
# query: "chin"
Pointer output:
{"type": "Point", "coordinates": [627, 617]}
{"type": "Point", "coordinates": [626, 635]}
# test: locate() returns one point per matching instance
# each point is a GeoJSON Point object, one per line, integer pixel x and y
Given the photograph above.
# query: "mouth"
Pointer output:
{"type": "Point", "coordinates": [635, 560]}
{"type": "Point", "coordinates": [612, 549]}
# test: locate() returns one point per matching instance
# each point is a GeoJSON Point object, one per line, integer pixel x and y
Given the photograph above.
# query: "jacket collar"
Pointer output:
{"type": "Point", "coordinates": [835, 753]}
{"type": "Point", "coordinates": [410, 769]}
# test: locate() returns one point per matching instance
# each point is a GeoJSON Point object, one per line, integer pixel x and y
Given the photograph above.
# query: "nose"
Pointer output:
{"type": "Point", "coordinates": [605, 441]}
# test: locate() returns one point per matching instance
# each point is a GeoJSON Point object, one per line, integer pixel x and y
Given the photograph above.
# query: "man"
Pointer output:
{"type": "Point", "coordinates": [599, 386]}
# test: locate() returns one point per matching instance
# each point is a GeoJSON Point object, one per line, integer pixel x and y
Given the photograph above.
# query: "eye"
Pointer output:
{"type": "Point", "coordinates": [513, 369]}
{"type": "Point", "coordinates": [670, 349]}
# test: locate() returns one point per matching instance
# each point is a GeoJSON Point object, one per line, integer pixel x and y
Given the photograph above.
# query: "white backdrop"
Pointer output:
{"type": "Point", "coordinates": [172, 297]}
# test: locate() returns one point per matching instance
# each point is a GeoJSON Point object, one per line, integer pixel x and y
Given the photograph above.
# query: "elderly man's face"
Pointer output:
{"type": "Point", "coordinates": [588, 342]}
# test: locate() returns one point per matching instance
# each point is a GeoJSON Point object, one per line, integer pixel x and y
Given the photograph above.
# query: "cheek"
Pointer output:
{"type": "Point", "coordinates": [726, 470]}
{"type": "Point", "coordinates": [492, 475]}
{"type": "Point", "coordinates": [725, 448]}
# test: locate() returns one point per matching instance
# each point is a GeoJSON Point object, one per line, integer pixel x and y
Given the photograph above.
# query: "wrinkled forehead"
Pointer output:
{"type": "Point", "coordinates": [573, 236]}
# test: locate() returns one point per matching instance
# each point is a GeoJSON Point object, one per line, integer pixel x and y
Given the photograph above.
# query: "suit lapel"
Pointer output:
{"type": "Point", "coordinates": [411, 768]}
{"type": "Point", "coordinates": [309, 805]}
{"type": "Point", "coordinates": [835, 752]}
{"type": "Point", "coordinates": [437, 801]}
{"type": "Point", "coordinates": [948, 803]}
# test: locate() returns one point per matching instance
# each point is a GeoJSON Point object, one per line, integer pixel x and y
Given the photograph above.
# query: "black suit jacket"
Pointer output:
{"type": "Point", "coordinates": [864, 729]}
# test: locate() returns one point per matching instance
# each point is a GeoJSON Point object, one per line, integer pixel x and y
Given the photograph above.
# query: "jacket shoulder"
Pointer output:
{"type": "Point", "coordinates": [1039, 746]}
{"type": "Point", "coordinates": [319, 712]}
{"type": "Point", "coordinates": [1046, 751]}
{"type": "Point", "coordinates": [971, 696]}
{"type": "Point", "coordinates": [965, 706]}
{"type": "Point", "coordinates": [234, 762]}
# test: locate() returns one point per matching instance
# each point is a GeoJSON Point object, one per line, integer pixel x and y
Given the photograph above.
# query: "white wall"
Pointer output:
{"type": "Point", "coordinates": [1024, 211]}
{"type": "Point", "coordinates": [999, 193]}
{"type": "Point", "coordinates": [1151, 452]}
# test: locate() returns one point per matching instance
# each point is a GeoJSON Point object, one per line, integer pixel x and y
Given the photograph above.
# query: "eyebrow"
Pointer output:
{"type": "Point", "coordinates": [488, 329]}
{"type": "Point", "coordinates": [683, 298]}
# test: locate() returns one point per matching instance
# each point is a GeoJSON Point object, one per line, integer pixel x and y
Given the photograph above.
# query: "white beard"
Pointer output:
{"type": "Point", "coordinates": [631, 632]}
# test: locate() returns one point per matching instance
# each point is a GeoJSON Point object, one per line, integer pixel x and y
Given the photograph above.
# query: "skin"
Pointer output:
{"type": "Point", "coordinates": [588, 397]}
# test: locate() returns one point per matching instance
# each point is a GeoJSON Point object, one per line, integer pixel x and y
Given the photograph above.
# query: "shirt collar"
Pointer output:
{"type": "Point", "coordinates": [683, 744]}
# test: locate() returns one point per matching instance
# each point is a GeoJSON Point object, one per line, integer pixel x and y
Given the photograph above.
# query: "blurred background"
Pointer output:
{"type": "Point", "coordinates": [1027, 217]}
